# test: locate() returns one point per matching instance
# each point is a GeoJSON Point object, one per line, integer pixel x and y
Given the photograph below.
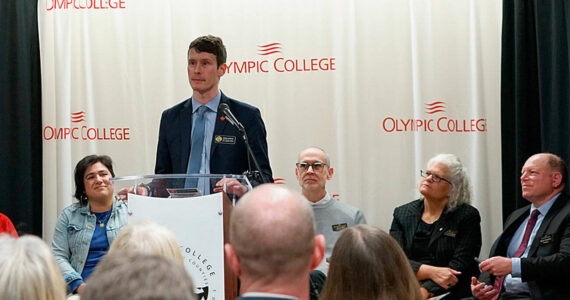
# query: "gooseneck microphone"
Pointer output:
{"type": "Point", "coordinates": [253, 176]}
{"type": "Point", "coordinates": [230, 117]}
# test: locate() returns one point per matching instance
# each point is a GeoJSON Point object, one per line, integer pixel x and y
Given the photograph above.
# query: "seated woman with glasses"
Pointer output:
{"type": "Point", "coordinates": [441, 232]}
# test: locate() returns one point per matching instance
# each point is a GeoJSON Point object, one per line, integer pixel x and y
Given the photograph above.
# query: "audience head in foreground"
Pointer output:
{"type": "Point", "coordinates": [147, 237]}
{"type": "Point", "coordinates": [272, 245]}
{"type": "Point", "coordinates": [137, 276]}
{"type": "Point", "coordinates": [28, 270]}
{"type": "Point", "coordinates": [366, 264]}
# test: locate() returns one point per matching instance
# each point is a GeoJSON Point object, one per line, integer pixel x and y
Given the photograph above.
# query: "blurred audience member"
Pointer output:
{"type": "Point", "coordinates": [137, 276]}
{"type": "Point", "coordinates": [367, 263]}
{"type": "Point", "coordinates": [6, 226]}
{"type": "Point", "coordinates": [28, 270]}
{"type": "Point", "coordinates": [272, 245]}
{"type": "Point", "coordinates": [147, 237]}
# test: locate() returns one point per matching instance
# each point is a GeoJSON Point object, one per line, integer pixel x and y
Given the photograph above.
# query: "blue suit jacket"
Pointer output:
{"type": "Point", "coordinates": [228, 154]}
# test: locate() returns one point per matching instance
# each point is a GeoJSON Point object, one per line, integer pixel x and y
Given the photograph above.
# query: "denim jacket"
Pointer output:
{"type": "Point", "coordinates": [73, 233]}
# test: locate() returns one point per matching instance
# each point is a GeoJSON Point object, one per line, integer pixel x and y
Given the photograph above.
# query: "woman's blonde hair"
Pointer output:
{"type": "Point", "coordinates": [148, 237]}
{"type": "Point", "coordinates": [28, 270]}
{"type": "Point", "coordinates": [368, 264]}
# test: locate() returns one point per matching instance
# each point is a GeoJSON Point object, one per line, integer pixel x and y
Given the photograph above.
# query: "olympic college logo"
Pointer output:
{"type": "Point", "coordinates": [201, 271]}
{"type": "Point", "coordinates": [444, 124]}
{"type": "Point", "coordinates": [80, 132]}
{"type": "Point", "coordinates": [280, 63]}
{"type": "Point", "coordinates": [84, 4]}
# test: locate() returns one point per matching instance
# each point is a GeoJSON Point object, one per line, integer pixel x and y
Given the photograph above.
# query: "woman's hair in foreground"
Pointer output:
{"type": "Point", "coordinates": [366, 264]}
{"type": "Point", "coordinates": [147, 237]}
{"type": "Point", "coordinates": [28, 270]}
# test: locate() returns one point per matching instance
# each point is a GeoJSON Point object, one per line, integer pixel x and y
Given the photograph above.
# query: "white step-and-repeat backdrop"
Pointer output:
{"type": "Point", "coordinates": [382, 85]}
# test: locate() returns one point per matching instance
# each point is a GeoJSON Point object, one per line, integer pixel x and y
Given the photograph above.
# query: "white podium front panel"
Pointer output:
{"type": "Point", "coordinates": [198, 225]}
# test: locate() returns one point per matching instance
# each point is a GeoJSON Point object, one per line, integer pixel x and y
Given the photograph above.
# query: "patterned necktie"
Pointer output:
{"type": "Point", "coordinates": [524, 243]}
{"type": "Point", "coordinates": [195, 161]}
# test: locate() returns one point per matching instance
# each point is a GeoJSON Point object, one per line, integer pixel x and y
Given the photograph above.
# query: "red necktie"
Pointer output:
{"type": "Point", "coordinates": [524, 243]}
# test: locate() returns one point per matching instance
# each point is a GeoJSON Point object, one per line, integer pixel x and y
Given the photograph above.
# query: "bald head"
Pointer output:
{"type": "Point", "coordinates": [542, 176]}
{"type": "Point", "coordinates": [272, 231]}
{"type": "Point", "coordinates": [313, 150]}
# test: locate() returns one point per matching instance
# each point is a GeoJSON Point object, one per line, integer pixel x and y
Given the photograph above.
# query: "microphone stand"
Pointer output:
{"type": "Point", "coordinates": [252, 175]}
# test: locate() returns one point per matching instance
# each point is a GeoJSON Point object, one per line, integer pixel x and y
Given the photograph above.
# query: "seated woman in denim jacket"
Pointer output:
{"type": "Point", "coordinates": [85, 230]}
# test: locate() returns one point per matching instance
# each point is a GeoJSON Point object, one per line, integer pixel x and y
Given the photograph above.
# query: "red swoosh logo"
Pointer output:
{"type": "Point", "coordinates": [435, 107]}
{"type": "Point", "coordinates": [269, 49]}
{"type": "Point", "coordinates": [78, 117]}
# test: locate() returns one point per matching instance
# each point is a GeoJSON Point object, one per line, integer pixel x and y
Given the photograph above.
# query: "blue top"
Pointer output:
{"type": "Point", "coordinates": [97, 248]}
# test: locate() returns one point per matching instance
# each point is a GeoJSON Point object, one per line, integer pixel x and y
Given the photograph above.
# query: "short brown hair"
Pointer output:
{"type": "Point", "coordinates": [210, 44]}
{"type": "Point", "coordinates": [367, 263]}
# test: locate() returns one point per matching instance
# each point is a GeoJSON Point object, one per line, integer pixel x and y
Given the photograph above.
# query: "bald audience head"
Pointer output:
{"type": "Point", "coordinates": [272, 240]}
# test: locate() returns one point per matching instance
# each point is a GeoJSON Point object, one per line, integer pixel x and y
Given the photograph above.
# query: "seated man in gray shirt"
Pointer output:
{"type": "Point", "coordinates": [331, 215]}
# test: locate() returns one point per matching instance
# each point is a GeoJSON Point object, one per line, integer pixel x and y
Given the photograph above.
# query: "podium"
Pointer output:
{"type": "Point", "coordinates": [198, 219]}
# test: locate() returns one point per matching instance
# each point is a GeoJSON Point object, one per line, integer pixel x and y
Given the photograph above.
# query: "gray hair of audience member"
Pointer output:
{"type": "Point", "coordinates": [147, 237]}
{"type": "Point", "coordinates": [272, 230]}
{"type": "Point", "coordinates": [28, 270]}
{"type": "Point", "coordinates": [460, 182]}
{"type": "Point", "coordinates": [367, 263]}
{"type": "Point", "coordinates": [138, 276]}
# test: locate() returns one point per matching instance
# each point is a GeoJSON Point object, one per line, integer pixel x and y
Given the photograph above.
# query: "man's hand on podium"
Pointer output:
{"type": "Point", "coordinates": [233, 186]}
{"type": "Point", "coordinates": [142, 190]}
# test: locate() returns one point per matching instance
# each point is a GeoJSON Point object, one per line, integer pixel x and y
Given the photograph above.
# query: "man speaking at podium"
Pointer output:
{"type": "Point", "coordinates": [196, 136]}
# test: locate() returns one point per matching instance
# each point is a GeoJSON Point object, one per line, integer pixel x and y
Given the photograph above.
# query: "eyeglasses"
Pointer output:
{"type": "Point", "coordinates": [304, 166]}
{"type": "Point", "coordinates": [434, 177]}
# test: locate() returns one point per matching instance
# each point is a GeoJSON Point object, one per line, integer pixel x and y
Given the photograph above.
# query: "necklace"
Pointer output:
{"type": "Point", "coordinates": [103, 219]}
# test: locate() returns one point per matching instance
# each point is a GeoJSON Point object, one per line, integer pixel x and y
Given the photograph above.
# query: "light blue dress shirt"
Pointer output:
{"type": "Point", "coordinates": [513, 283]}
{"type": "Point", "coordinates": [210, 115]}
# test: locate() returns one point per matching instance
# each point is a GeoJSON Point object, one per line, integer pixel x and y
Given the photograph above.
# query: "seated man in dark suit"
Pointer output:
{"type": "Point", "coordinates": [272, 245]}
{"type": "Point", "coordinates": [531, 258]}
{"type": "Point", "coordinates": [195, 137]}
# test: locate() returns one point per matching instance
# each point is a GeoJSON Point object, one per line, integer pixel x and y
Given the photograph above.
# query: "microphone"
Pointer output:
{"type": "Point", "coordinates": [230, 116]}
{"type": "Point", "coordinates": [252, 175]}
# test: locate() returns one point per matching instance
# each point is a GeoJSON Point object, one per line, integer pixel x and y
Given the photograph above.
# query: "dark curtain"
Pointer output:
{"type": "Point", "coordinates": [535, 82]}
{"type": "Point", "coordinates": [20, 116]}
